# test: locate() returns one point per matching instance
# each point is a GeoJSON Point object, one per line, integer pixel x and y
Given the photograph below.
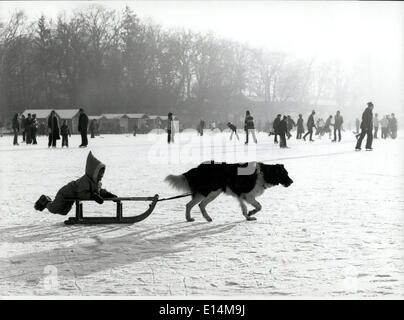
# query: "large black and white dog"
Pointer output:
{"type": "Point", "coordinates": [244, 181]}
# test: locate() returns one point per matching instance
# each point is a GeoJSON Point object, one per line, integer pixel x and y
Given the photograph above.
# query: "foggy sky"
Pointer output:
{"type": "Point", "coordinates": [365, 34]}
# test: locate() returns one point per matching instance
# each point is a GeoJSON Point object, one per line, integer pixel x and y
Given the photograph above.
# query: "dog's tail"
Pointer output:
{"type": "Point", "coordinates": [178, 182]}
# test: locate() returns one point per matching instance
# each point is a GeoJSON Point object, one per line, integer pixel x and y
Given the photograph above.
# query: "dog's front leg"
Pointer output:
{"type": "Point", "coordinates": [245, 212]}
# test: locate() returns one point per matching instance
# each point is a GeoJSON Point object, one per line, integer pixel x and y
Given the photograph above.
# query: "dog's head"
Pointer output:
{"type": "Point", "coordinates": [275, 174]}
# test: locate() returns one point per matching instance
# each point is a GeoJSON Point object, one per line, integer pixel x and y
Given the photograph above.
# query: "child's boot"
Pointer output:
{"type": "Point", "coordinates": [43, 200]}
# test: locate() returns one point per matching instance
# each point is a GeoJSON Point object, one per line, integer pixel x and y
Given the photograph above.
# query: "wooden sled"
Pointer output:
{"type": "Point", "coordinates": [119, 218]}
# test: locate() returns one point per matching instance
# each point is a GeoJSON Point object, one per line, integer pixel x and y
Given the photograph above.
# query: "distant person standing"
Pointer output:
{"type": "Point", "coordinates": [22, 126]}
{"type": "Point", "coordinates": [275, 126]}
{"type": "Point", "coordinates": [310, 125]}
{"type": "Point", "coordinates": [92, 128]}
{"type": "Point", "coordinates": [291, 125]}
{"type": "Point", "coordinates": [249, 127]}
{"type": "Point", "coordinates": [170, 128]}
{"type": "Point", "coordinates": [201, 127]}
{"type": "Point", "coordinates": [366, 128]}
{"type": "Point", "coordinates": [327, 126]}
{"type": "Point", "coordinates": [65, 132]}
{"type": "Point", "coordinates": [300, 127]}
{"type": "Point", "coordinates": [393, 126]}
{"type": "Point", "coordinates": [34, 128]}
{"type": "Point", "coordinates": [338, 121]}
{"type": "Point", "coordinates": [376, 123]}
{"type": "Point", "coordinates": [233, 129]}
{"type": "Point", "coordinates": [53, 129]}
{"type": "Point", "coordinates": [28, 123]}
{"type": "Point", "coordinates": [16, 129]}
{"type": "Point", "coordinates": [283, 130]}
{"type": "Point", "coordinates": [83, 124]}
{"type": "Point", "coordinates": [384, 124]}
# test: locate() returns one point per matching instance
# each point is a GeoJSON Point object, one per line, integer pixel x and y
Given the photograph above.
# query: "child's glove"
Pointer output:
{"type": "Point", "coordinates": [98, 198]}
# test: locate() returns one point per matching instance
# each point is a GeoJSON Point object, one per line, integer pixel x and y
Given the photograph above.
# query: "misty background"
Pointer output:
{"type": "Point", "coordinates": [202, 59]}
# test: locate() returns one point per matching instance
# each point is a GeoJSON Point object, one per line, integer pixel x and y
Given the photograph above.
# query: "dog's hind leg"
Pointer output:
{"type": "Point", "coordinates": [257, 206]}
{"type": "Point", "coordinates": [244, 209]}
{"type": "Point", "coordinates": [211, 196]}
{"type": "Point", "coordinates": [194, 201]}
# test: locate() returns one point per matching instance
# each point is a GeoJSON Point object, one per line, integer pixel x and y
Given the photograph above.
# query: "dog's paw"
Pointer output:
{"type": "Point", "coordinates": [251, 213]}
{"type": "Point", "coordinates": [208, 219]}
{"type": "Point", "coordinates": [190, 219]}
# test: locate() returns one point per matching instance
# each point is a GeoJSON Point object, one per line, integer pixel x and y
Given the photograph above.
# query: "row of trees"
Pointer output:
{"type": "Point", "coordinates": [112, 62]}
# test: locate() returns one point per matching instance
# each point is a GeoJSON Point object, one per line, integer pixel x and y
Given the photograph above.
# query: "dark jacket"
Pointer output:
{"type": "Point", "coordinates": [249, 122]}
{"type": "Point", "coordinates": [232, 127]}
{"type": "Point", "coordinates": [339, 120]}
{"type": "Point", "coordinates": [83, 122]}
{"type": "Point", "coordinates": [367, 119]}
{"type": "Point", "coordinates": [64, 130]}
{"type": "Point", "coordinates": [291, 124]}
{"type": "Point", "coordinates": [276, 123]}
{"type": "Point", "coordinates": [310, 121]}
{"type": "Point", "coordinates": [16, 124]}
{"type": "Point", "coordinates": [53, 125]}
{"type": "Point", "coordinates": [283, 126]}
{"type": "Point", "coordinates": [87, 187]}
{"type": "Point", "coordinates": [300, 126]}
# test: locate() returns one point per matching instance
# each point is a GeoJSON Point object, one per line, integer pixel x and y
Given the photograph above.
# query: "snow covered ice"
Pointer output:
{"type": "Point", "coordinates": [337, 231]}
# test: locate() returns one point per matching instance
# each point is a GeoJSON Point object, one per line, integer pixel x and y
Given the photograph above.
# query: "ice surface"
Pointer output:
{"type": "Point", "coordinates": [337, 231]}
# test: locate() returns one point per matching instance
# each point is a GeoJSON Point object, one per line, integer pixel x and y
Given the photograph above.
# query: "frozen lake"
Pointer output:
{"type": "Point", "coordinates": [337, 231]}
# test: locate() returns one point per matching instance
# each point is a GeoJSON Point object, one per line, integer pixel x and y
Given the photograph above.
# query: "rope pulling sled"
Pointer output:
{"type": "Point", "coordinates": [119, 218]}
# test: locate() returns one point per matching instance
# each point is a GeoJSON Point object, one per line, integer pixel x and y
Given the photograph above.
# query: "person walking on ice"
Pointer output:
{"type": "Point", "coordinates": [233, 129]}
{"type": "Point", "coordinates": [249, 127]}
{"type": "Point", "coordinates": [88, 187]}
{"type": "Point", "coordinates": [283, 131]}
{"type": "Point", "coordinates": [82, 128]}
{"type": "Point", "coordinates": [366, 128]}
{"type": "Point", "coordinates": [170, 128]}
{"type": "Point", "coordinates": [338, 121]}
{"type": "Point", "coordinates": [310, 125]}
{"type": "Point", "coordinates": [16, 129]}
{"type": "Point", "coordinates": [300, 127]}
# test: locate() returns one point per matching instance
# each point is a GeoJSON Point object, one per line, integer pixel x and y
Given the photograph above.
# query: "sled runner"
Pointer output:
{"type": "Point", "coordinates": [119, 218]}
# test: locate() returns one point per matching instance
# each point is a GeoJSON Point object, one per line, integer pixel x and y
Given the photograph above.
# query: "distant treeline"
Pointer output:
{"type": "Point", "coordinates": [107, 61]}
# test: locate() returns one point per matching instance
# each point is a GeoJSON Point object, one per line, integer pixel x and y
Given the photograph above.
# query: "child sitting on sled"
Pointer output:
{"type": "Point", "coordinates": [88, 187]}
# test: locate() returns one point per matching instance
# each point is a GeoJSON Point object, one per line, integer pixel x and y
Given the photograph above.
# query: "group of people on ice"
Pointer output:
{"type": "Point", "coordinates": [29, 126]}
{"type": "Point", "coordinates": [387, 125]}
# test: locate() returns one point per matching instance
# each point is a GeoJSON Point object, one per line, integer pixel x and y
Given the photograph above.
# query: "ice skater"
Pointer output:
{"type": "Point", "coordinates": [338, 121]}
{"type": "Point", "coordinates": [366, 128]}
{"type": "Point", "coordinates": [201, 127]}
{"type": "Point", "coordinates": [82, 128]}
{"type": "Point", "coordinates": [53, 130]}
{"type": "Point", "coordinates": [300, 127]}
{"type": "Point", "coordinates": [170, 128]}
{"type": "Point", "coordinates": [275, 126]}
{"type": "Point", "coordinates": [327, 126]}
{"type": "Point", "coordinates": [393, 126]}
{"type": "Point", "coordinates": [310, 125]}
{"type": "Point", "coordinates": [291, 125]}
{"type": "Point", "coordinates": [249, 127]}
{"type": "Point", "coordinates": [88, 187]}
{"type": "Point", "coordinates": [233, 129]}
{"type": "Point", "coordinates": [283, 131]}
{"type": "Point", "coordinates": [16, 129]}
